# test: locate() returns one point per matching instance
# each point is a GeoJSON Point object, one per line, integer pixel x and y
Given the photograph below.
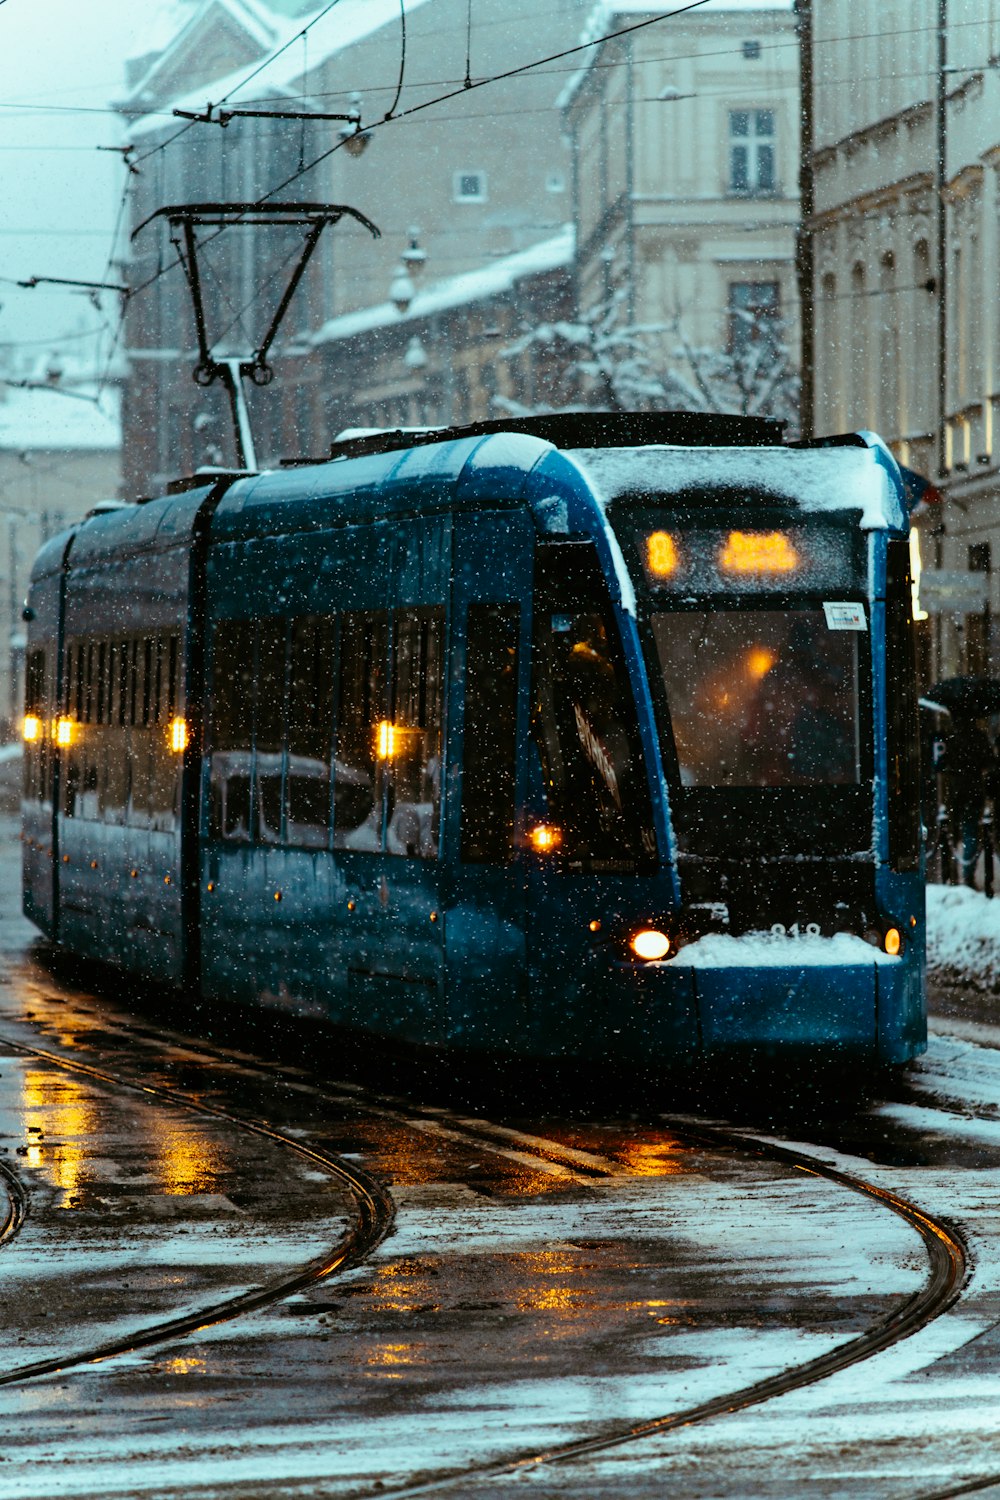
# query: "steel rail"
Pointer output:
{"type": "Point", "coordinates": [17, 1204]}
{"type": "Point", "coordinates": [946, 1252]}
{"type": "Point", "coordinates": [375, 1217]}
{"type": "Point", "coordinates": [948, 1269]}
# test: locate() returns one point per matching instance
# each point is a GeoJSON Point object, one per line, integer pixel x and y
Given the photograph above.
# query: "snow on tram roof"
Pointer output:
{"type": "Point", "coordinates": [813, 479]}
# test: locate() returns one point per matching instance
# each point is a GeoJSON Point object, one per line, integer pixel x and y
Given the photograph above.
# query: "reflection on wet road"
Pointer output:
{"type": "Point", "coordinates": [547, 1278]}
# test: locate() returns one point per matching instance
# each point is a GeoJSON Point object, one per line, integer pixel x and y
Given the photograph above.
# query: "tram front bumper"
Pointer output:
{"type": "Point", "coordinates": [872, 1010]}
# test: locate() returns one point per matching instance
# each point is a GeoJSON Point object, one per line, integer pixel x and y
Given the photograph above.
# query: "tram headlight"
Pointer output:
{"type": "Point", "coordinates": [64, 732]}
{"type": "Point", "coordinates": [178, 735]}
{"type": "Point", "coordinates": [649, 944]}
{"type": "Point", "coordinates": [888, 939]}
{"type": "Point", "coordinates": [32, 728]}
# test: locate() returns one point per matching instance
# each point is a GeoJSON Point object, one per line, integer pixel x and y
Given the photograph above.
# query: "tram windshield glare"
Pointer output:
{"type": "Point", "coordinates": [760, 697]}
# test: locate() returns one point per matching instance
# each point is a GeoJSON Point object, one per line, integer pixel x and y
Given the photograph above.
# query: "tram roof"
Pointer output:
{"type": "Point", "coordinates": [472, 468]}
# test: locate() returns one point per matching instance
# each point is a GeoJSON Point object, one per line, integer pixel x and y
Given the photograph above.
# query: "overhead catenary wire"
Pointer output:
{"type": "Point", "coordinates": [243, 82]}
{"type": "Point", "coordinates": [468, 45]}
{"type": "Point", "coordinates": [429, 103]}
{"type": "Point", "coordinates": [391, 111]}
{"type": "Point", "coordinates": [467, 82]}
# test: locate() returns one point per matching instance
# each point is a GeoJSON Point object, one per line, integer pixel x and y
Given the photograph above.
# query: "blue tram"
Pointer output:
{"type": "Point", "coordinates": [586, 736]}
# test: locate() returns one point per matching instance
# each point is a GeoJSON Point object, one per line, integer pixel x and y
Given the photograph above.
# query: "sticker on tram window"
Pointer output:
{"type": "Point", "coordinates": [845, 616]}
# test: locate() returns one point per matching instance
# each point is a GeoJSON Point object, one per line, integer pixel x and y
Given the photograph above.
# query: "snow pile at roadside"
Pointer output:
{"type": "Point", "coordinates": [963, 936]}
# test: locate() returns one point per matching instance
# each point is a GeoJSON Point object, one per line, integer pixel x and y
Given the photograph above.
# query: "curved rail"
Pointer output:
{"type": "Point", "coordinates": [948, 1269]}
{"type": "Point", "coordinates": [17, 1204]}
{"type": "Point", "coordinates": [946, 1252]}
{"type": "Point", "coordinates": [375, 1216]}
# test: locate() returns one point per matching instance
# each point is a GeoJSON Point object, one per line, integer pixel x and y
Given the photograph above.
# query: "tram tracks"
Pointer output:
{"type": "Point", "coordinates": [944, 1246]}
{"type": "Point", "coordinates": [374, 1216]}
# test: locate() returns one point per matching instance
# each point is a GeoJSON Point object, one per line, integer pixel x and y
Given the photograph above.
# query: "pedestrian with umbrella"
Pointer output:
{"type": "Point", "coordinates": [969, 761]}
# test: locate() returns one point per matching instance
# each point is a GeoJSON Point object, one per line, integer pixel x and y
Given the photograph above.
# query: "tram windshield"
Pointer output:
{"type": "Point", "coordinates": [760, 697]}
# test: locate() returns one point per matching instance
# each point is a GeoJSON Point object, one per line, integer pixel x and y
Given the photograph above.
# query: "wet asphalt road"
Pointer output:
{"type": "Point", "coordinates": [548, 1274]}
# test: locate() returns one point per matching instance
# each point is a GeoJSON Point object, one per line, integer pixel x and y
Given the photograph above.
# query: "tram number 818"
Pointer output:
{"type": "Point", "coordinates": [810, 929]}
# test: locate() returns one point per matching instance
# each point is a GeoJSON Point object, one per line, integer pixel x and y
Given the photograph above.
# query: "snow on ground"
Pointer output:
{"type": "Point", "coordinates": [963, 936]}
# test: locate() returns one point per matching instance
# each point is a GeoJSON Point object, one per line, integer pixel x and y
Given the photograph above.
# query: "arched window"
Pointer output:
{"type": "Point", "coordinates": [888, 390]}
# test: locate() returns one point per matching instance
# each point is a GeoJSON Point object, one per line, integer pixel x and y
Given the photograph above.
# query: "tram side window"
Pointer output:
{"type": "Point", "coordinates": [411, 744]}
{"type": "Point", "coordinates": [362, 732]}
{"type": "Point", "coordinates": [902, 730]}
{"type": "Point", "coordinates": [310, 732]}
{"type": "Point", "coordinates": [489, 757]}
{"type": "Point", "coordinates": [36, 758]}
{"type": "Point", "coordinates": [231, 728]}
{"type": "Point", "coordinates": [269, 723]}
{"type": "Point", "coordinates": [593, 789]}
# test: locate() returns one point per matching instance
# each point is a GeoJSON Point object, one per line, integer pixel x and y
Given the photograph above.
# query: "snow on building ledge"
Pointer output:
{"type": "Point", "coordinates": [457, 291]}
{"type": "Point", "coordinates": [609, 16]}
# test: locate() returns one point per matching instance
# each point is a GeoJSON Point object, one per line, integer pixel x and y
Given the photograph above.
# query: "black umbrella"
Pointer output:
{"type": "Point", "coordinates": [974, 697]}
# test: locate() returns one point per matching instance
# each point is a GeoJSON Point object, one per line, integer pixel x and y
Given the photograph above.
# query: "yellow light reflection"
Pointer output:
{"type": "Point", "coordinates": [386, 740]}
{"type": "Point", "coordinates": [63, 1117]}
{"type": "Point", "coordinates": [662, 1158]}
{"type": "Point", "coordinates": [178, 736]}
{"type": "Point", "coordinates": [187, 1162]}
{"type": "Point", "coordinates": [32, 728]}
{"type": "Point", "coordinates": [760, 660]}
{"type": "Point", "coordinates": [561, 1298]}
{"type": "Point", "coordinates": [403, 1287]}
{"type": "Point", "coordinates": [393, 1354]}
{"type": "Point", "coordinates": [758, 552]}
{"type": "Point", "coordinates": [661, 554]}
{"type": "Point", "coordinates": [183, 1366]}
{"type": "Point", "coordinates": [65, 731]}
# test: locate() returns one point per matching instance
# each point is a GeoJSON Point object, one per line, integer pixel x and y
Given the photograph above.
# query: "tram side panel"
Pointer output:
{"type": "Point", "coordinates": [900, 876]}
{"type": "Point", "coordinates": [41, 729]}
{"type": "Point", "coordinates": [322, 782]}
{"type": "Point", "coordinates": [122, 702]}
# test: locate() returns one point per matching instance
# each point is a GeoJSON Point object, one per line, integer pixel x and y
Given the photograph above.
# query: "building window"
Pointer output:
{"type": "Point", "coordinates": [751, 151]}
{"type": "Point", "coordinates": [469, 187]}
{"type": "Point", "coordinates": [751, 51]}
{"type": "Point", "coordinates": [754, 309]}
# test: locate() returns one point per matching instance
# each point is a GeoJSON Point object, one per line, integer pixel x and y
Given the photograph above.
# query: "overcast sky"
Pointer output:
{"type": "Point", "coordinates": [59, 193]}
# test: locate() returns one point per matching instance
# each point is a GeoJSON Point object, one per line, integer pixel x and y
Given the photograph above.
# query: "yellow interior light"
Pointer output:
{"type": "Point", "coordinates": [64, 731]}
{"type": "Point", "coordinates": [760, 661]}
{"type": "Point", "coordinates": [893, 941]}
{"type": "Point", "coordinates": [32, 727]}
{"type": "Point", "coordinates": [178, 735]}
{"type": "Point", "coordinates": [386, 737]}
{"type": "Point", "coordinates": [650, 944]}
{"type": "Point", "coordinates": [661, 554]}
{"type": "Point", "coordinates": [758, 552]}
{"type": "Point", "coordinates": [545, 838]}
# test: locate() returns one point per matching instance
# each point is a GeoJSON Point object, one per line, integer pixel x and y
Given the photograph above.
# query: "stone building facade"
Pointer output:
{"type": "Point", "coordinates": [686, 159]}
{"type": "Point", "coordinates": [904, 237]}
{"type": "Point", "coordinates": [468, 183]}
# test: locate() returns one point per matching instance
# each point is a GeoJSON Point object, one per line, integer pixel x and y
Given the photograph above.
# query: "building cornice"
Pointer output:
{"type": "Point", "coordinates": [878, 130]}
{"type": "Point", "coordinates": [875, 201]}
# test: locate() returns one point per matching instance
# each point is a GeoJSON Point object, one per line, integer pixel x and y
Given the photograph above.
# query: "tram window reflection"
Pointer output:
{"type": "Point", "coordinates": [269, 726]}
{"type": "Point", "coordinates": [231, 728]}
{"type": "Point", "coordinates": [489, 756]}
{"type": "Point", "coordinates": [587, 736]}
{"type": "Point", "coordinates": [358, 772]}
{"type": "Point", "coordinates": [413, 761]}
{"type": "Point", "coordinates": [761, 697]}
{"type": "Point", "coordinates": [310, 732]}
